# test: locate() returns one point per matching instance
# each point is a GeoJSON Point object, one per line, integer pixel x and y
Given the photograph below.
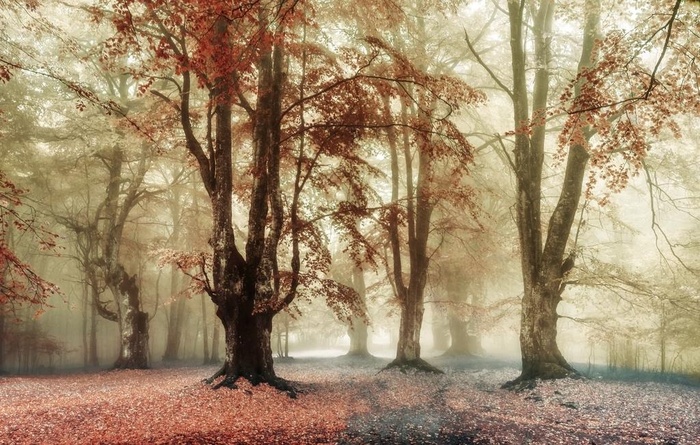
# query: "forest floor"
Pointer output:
{"type": "Point", "coordinates": [344, 401]}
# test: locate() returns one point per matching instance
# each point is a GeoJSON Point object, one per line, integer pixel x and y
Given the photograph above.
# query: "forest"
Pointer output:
{"type": "Point", "coordinates": [313, 221]}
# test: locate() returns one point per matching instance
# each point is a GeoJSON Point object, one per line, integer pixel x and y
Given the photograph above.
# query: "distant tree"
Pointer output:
{"type": "Point", "coordinates": [429, 157]}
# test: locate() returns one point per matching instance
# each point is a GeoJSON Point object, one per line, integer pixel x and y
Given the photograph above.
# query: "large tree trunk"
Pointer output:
{"type": "Point", "coordinates": [408, 348]}
{"type": "Point", "coordinates": [248, 347]}
{"type": "Point", "coordinates": [357, 331]}
{"type": "Point", "coordinates": [541, 357]}
{"type": "Point", "coordinates": [248, 350]}
{"type": "Point", "coordinates": [133, 326]}
{"type": "Point", "coordinates": [239, 283]}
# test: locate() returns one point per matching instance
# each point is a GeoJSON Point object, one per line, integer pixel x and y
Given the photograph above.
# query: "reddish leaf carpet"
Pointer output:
{"type": "Point", "coordinates": [343, 402]}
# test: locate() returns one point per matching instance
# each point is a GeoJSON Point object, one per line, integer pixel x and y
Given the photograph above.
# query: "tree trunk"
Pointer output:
{"type": "Point", "coordinates": [541, 357]}
{"type": "Point", "coordinates": [93, 360]}
{"type": "Point", "coordinates": [357, 331]}
{"type": "Point", "coordinates": [248, 346]}
{"type": "Point", "coordinates": [175, 319]}
{"type": "Point", "coordinates": [205, 332]}
{"type": "Point", "coordinates": [459, 293]}
{"type": "Point", "coordinates": [133, 326]}
{"type": "Point", "coordinates": [408, 348]}
{"type": "Point", "coordinates": [542, 266]}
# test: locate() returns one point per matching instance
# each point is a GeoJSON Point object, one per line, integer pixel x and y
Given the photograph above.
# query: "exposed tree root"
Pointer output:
{"type": "Point", "coordinates": [546, 371]}
{"type": "Point", "coordinates": [230, 380]}
{"type": "Point", "coordinates": [417, 364]}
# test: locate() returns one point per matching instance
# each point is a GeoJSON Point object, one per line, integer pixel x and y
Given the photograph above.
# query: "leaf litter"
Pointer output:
{"type": "Point", "coordinates": [344, 401]}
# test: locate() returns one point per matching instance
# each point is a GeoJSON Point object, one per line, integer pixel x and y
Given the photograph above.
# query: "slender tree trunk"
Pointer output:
{"type": "Point", "coordinates": [86, 316]}
{"type": "Point", "coordinates": [215, 344]}
{"type": "Point", "coordinates": [176, 319]}
{"type": "Point", "coordinates": [93, 360]}
{"type": "Point", "coordinates": [205, 331]}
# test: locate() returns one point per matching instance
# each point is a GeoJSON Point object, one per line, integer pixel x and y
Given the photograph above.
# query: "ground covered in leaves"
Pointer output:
{"type": "Point", "coordinates": [344, 401]}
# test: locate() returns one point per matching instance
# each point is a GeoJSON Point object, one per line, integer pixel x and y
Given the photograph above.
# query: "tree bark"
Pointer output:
{"type": "Point", "coordinates": [419, 209]}
{"type": "Point", "coordinates": [357, 331]}
{"type": "Point", "coordinates": [175, 320]}
{"type": "Point", "coordinates": [133, 353]}
{"type": "Point", "coordinates": [463, 343]}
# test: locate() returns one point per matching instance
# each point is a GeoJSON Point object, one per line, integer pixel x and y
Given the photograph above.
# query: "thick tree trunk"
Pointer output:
{"type": "Point", "coordinates": [248, 348]}
{"type": "Point", "coordinates": [541, 357]}
{"type": "Point", "coordinates": [460, 290]}
{"type": "Point", "coordinates": [461, 342]}
{"type": "Point", "coordinates": [357, 331]}
{"type": "Point", "coordinates": [133, 353]}
{"type": "Point", "coordinates": [408, 348]}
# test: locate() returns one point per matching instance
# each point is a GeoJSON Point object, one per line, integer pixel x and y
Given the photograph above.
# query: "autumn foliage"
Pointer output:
{"type": "Point", "coordinates": [19, 283]}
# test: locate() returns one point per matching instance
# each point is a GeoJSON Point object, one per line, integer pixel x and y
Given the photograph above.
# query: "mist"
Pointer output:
{"type": "Point", "coordinates": [253, 192]}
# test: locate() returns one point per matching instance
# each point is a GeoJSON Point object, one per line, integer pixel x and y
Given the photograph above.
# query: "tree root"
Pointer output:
{"type": "Point", "coordinates": [230, 380]}
{"type": "Point", "coordinates": [546, 371]}
{"type": "Point", "coordinates": [417, 364]}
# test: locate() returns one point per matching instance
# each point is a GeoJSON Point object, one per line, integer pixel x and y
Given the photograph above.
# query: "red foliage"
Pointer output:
{"type": "Point", "coordinates": [19, 284]}
{"type": "Point", "coordinates": [624, 102]}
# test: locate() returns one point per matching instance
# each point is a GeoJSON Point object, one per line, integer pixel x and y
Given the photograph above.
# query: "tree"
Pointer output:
{"type": "Point", "coordinates": [611, 106]}
{"type": "Point", "coordinates": [238, 56]}
{"type": "Point", "coordinates": [430, 156]}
